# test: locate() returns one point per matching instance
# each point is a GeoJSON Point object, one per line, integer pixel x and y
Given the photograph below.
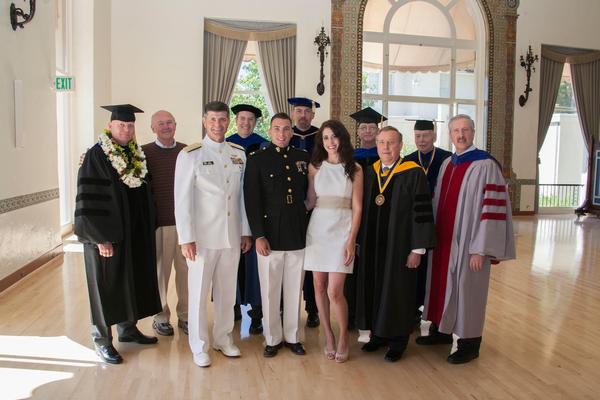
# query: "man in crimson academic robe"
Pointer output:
{"type": "Point", "coordinates": [114, 219]}
{"type": "Point", "coordinates": [397, 228]}
{"type": "Point", "coordinates": [474, 229]}
{"type": "Point", "coordinates": [430, 158]}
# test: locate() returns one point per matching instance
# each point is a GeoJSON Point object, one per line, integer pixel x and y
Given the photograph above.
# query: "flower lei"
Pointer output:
{"type": "Point", "coordinates": [130, 167]}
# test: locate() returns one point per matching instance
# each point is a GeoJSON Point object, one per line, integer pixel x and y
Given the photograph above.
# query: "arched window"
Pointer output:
{"type": "Point", "coordinates": [424, 59]}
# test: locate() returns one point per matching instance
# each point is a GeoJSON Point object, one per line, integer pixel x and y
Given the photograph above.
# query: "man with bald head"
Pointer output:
{"type": "Point", "coordinates": [161, 156]}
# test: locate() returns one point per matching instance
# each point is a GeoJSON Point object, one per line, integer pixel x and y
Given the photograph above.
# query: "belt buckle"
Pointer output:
{"type": "Point", "coordinates": [289, 199]}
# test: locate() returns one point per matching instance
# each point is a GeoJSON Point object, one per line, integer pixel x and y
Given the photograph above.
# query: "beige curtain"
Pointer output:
{"type": "Point", "coordinates": [586, 87]}
{"type": "Point", "coordinates": [222, 62]}
{"type": "Point", "coordinates": [278, 61]}
{"type": "Point", "coordinates": [550, 75]}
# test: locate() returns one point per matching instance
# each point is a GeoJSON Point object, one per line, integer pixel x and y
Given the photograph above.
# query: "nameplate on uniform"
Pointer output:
{"type": "Point", "coordinates": [208, 163]}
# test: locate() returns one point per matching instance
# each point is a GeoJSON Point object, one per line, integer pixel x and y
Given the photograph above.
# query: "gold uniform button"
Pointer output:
{"type": "Point", "coordinates": [271, 175]}
{"type": "Point", "coordinates": [225, 165]}
{"type": "Point", "coordinates": [289, 179]}
{"type": "Point", "coordinates": [287, 167]}
{"type": "Point", "coordinates": [265, 215]}
{"type": "Point", "coordinates": [289, 190]}
{"type": "Point", "coordinates": [285, 156]}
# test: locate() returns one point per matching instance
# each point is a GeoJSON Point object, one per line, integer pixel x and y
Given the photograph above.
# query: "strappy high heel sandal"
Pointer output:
{"type": "Point", "coordinates": [330, 354]}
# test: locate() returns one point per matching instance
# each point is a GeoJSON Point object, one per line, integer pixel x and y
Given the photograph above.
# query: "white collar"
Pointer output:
{"type": "Point", "coordinates": [162, 146]}
{"type": "Point", "coordinates": [467, 150]}
{"type": "Point", "coordinates": [207, 141]}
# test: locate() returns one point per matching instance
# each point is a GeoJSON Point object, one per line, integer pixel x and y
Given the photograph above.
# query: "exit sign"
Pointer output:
{"type": "Point", "coordinates": [64, 83]}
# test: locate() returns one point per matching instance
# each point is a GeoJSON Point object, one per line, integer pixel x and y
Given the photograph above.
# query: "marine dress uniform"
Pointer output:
{"type": "Point", "coordinates": [275, 187]}
{"type": "Point", "coordinates": [209, 210]}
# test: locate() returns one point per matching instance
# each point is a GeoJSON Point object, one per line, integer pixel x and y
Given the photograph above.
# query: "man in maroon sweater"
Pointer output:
{"type": "Point", "coordinates": [161, 156]}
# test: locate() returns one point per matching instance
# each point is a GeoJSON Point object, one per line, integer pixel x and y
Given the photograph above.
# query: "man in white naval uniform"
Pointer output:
{"type": "Point", "coordinates": [212, 227]}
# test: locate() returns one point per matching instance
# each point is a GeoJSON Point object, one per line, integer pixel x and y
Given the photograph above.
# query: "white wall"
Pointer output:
{"type": "Point", "coordinates": [28, 55]}
{"type": "Point", "coordinates": [157, 54]}
{"type": "Point", "coordinates": [565, 23]}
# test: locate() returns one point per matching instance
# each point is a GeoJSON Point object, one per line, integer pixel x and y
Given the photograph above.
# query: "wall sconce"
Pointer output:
{"type": "Point", "coordinates": [16, 13]}
{"type": "Point", "coordinates": [322, 41]}
{"type": "Point", "coordinates": [527, 63]}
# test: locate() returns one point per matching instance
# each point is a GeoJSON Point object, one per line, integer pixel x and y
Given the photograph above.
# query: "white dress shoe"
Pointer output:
{"type": "Point", "coordinates": [202, 359]}
{"type": "Point", "coordinates": [230, 350]}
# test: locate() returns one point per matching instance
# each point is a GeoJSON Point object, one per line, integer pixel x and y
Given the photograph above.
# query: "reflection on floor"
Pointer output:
{"type": "Point", "coordinates": [541, 340]}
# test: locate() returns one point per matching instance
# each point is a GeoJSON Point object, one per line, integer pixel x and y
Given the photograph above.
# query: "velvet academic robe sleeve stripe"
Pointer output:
{"type": "Point", "coordinates": [493, 230]}
{"type": "Point", "coordinates": [97, 205]}
{"type": "Point", "coordinates": [423, 230]}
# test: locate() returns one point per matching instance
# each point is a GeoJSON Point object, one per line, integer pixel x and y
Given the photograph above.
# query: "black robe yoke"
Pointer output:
{"type": "Point", "coordinates": [385, 286]}
{"type": "Point", "coordinates": [122, 287]}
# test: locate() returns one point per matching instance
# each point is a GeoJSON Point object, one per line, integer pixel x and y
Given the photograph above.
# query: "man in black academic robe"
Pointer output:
{"type": "Point", "coordinates": [397, 227]}
{"type": "Point", "coordinates": [115, 223]}
{"type": "Point", "coordinates": [303, 138]}
{"type": "Point", "coordinates": [368, 125]}
{"type": "Point", "coordinates": [430, 158]}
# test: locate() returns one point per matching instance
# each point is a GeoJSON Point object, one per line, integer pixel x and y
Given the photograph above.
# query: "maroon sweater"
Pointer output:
{"type": "Point", "coordinates": [161, 168]}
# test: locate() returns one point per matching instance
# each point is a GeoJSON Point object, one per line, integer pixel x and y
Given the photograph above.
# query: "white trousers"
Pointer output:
{"type": "Point", "coordinates": [168, 254]}
{"type": "Point", "coordinates": [281, 269]}
{"type": "Point", "coordinates": [216, 268]}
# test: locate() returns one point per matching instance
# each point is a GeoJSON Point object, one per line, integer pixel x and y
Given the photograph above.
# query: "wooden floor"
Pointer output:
{"type": "Point", "coordinates": [541, 341]}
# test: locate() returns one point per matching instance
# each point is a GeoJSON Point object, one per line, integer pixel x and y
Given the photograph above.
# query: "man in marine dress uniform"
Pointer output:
{"type": "Point", "coordinates": [161, 156]}
{"type": "Point", "coordinates": [430, 158]}
{"type": "Point", "coordinates": [212, 227]}
{"type": "Point", "coordinates": [368, 120]}
{"type": "Point", "coordinates": [397, 228]}
{"type": "Point", "coordinates": [246, 116]}
{"type": "Point", "coordinates": [275, 187]}
{"type": "Point", "coordinates": [473, 229]}
{"type": "Point", "coordinates": [114, 219]}
{"type": "Point", "coordinates": [303, 138]}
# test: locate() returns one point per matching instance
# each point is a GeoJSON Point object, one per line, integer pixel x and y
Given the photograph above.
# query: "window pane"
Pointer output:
{"type": "Point", "coordinates": [466, 83]}
{"type": "Point", "coordinates": [376, 105]}
{"type": "Point", "coordinates": [468, 109]}
{"type": "Point", "coordinates": [372, 78]}
{"type": "Point", "coordinates": [419, 71]}
{"type": "Point", "coordinates": [463, 21]}
{"type": "Point", "coordinates": [402, 115]}
{"type": "Point", "coordinates": [374, 16]}
{"type": "Point", "coordinates": [421, 19]}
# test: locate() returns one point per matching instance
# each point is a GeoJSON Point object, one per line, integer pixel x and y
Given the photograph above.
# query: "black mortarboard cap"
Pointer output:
{"type": "Point", "coordinates": [303, 101]}
{"type": "Point", "coordinates": [246, 107]}
{"type": "Point", "coordinates": [368, 116]}
{"type": "Point", "coordinates": [423, 125]}
{"type": "Point", "coordinates": [122, 112]}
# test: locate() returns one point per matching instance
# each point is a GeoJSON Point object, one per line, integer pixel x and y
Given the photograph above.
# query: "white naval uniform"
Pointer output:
{"type": "Point", "coordinates": [209, 210]}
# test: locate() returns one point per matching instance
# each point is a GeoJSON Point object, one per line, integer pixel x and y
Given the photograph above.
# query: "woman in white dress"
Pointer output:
{"type": "Point", "coordinates": [335, 186]}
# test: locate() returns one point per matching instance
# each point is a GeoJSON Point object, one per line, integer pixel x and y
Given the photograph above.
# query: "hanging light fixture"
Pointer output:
{"type": "Point", "coordinates": [16, 13]}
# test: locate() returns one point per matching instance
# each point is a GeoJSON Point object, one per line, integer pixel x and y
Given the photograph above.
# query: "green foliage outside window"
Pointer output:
{"type": "Point", "coordinates": [247, 90]}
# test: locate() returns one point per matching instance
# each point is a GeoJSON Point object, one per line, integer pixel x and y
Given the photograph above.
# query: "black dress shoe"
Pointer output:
{"type": "Point", "coordinates": [256, 327]}
{"type": "Point", "coordinates": [109, 354]}
{"type": "Point", "coordinates": [138, 337]}
{"type": "Point", "coordinates": [312, 320]}
{"type": "Point", "coordinates": [393, 355]}
{"type": "Point", "coordinates": [271, 351]}
{"type": "Point", "coordinates": [296, 348]}
{"type": "Point", "coordinates": [468, 350]}
{"type": "Point", "coordinates": [434, 339]}
{"type": "Point", "coordinates": [371, 346]}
